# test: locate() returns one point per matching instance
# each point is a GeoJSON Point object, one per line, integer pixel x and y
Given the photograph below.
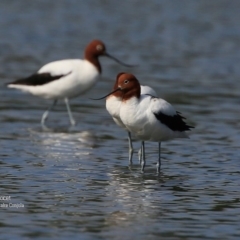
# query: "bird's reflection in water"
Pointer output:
{"type": "Point", "coordinates": [133, 195]}
{"type": "Point", "coordinates": [136, 195]}
{"type": "Point", "coordinates": [63, 145]}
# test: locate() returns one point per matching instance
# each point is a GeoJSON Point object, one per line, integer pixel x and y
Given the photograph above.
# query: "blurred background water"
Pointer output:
{"type": "Point", "coordinates": [75, 182]}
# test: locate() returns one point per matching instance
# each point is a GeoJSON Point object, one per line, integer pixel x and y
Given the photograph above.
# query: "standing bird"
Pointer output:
{"type": "Point", "coordinates": [147, 117]}
{"type": "Point", "coordinates": [66, 79]}
{"type": "Point", "coordinates": [113, 105]}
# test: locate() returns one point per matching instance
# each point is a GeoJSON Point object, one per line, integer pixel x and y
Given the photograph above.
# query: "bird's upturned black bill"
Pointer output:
{"type": "Point", "coordinates": [118, 89]}
{"type": "Point", "coordinates": [118, 61]}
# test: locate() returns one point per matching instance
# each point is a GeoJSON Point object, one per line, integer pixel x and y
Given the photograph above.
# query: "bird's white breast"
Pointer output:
{"type": "Point", "coordinates": [113, 105]}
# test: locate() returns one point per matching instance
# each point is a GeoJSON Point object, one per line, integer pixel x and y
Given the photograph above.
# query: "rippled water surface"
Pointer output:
{"type": "Point", "coordinates": [75, 182]}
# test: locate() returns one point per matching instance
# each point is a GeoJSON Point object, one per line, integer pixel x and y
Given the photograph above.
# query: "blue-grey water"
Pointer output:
{"type": "Point", "coordinates": [75, 182]}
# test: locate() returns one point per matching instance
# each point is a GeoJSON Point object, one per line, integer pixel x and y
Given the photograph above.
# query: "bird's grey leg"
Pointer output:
{"type": "Point", "coordinates": [130, 148]}
{"type": "Point", "coordinates": [159, 158]}
{"type": "Point", "coordinates": [143, 157]}
{"type": "Point", "coordinates": [72, 121]}
{"type": "Point", "coordinates": [140, 154]}
{"type": "Point", "coordinates": [46, 113]}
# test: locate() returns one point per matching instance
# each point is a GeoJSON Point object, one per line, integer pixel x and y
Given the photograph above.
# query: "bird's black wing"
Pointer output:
{"type": "Point", "coordinates": [38, 79]}
{"type": "Point", "coordinates": [175, 122]}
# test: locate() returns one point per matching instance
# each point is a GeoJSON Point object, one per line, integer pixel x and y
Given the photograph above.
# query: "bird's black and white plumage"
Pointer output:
{"type": "Point", "coordinates": [38, 79]}
{"type": "Point", "coordinates": [153, 119]}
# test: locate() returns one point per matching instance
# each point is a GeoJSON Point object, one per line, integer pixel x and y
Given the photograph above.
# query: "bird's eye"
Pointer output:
{"type": "Point", "coordinates": [126, 82]}
{"type": "Point", "coordinates": [99, 47]}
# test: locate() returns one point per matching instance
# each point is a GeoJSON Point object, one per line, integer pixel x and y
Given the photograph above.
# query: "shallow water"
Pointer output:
{"type": "Point", "coordinates": [75, 182]}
